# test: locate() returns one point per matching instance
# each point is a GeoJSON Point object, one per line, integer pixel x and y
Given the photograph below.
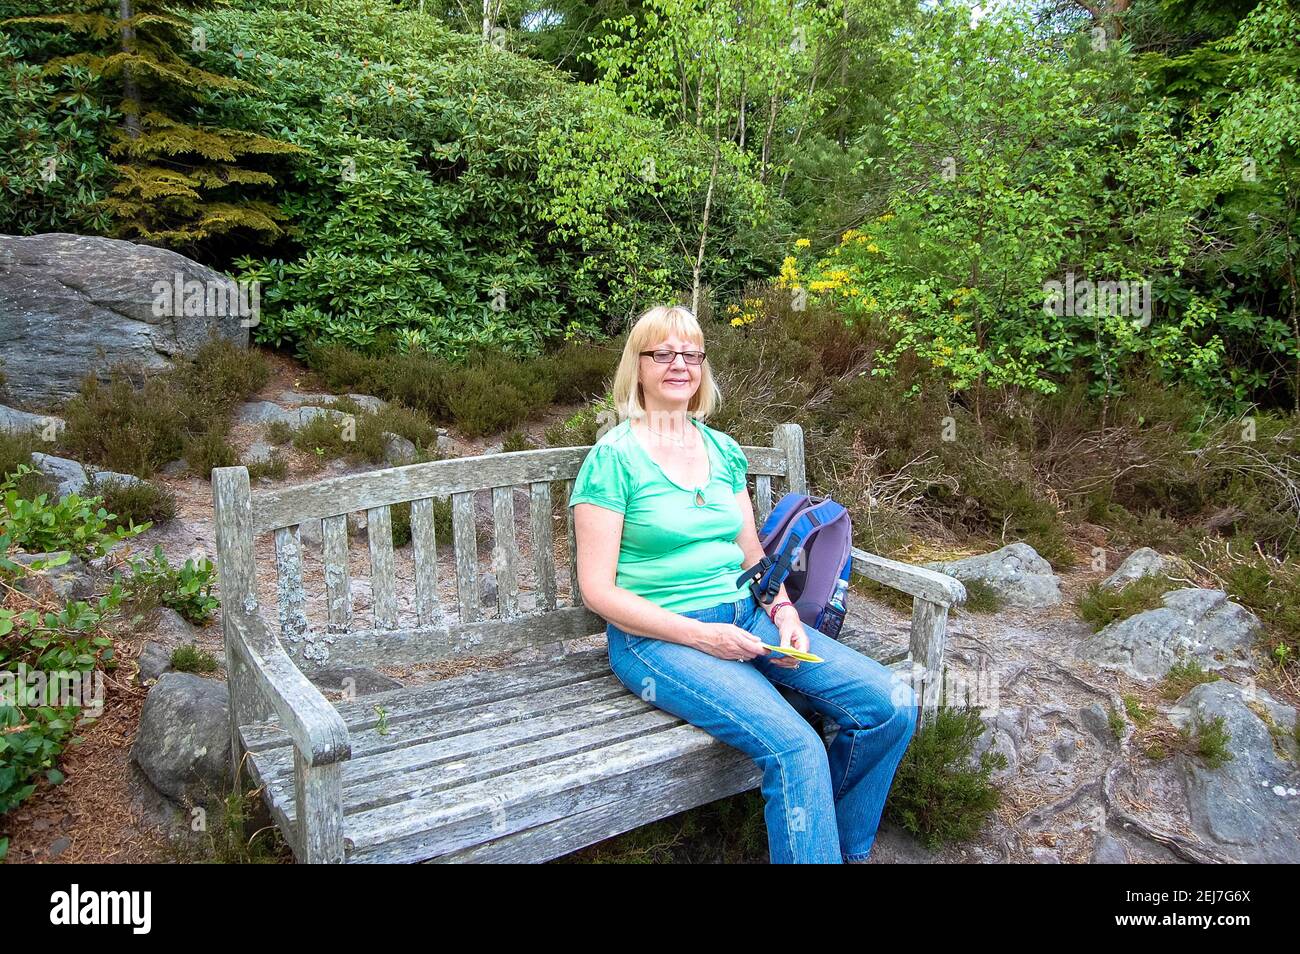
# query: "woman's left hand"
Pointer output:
{"type": "Point", "coordinates": [793, 635]}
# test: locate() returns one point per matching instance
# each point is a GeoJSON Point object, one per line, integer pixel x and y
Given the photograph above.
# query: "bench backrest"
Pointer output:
{"type": "Point", "coordinates": [391, 634]}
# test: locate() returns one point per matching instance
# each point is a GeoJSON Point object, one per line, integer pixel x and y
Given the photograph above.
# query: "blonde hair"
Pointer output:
{"type": "Point", "coordinates": [650, 329]}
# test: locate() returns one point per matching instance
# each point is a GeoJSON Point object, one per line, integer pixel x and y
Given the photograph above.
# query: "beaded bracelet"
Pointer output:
{"type": "Point", "coordinates": [772, 612]}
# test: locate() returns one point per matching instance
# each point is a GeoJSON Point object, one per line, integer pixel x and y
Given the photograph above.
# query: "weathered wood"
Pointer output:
{"type": "Point", "coordinates": [383, 580]}
{"type": "Point", "coordinates": [788, 441]}
{"type": "Point", "coordinates": [504, 552]}
{"type": "Point", "coordinates": [540, 517]}
{"type": "Point", "coordinates": [570, 833]}
{"type": "Point", "coordinates": [237, 585]}
{"type": "Point", "coordinates": [285, 506]}
{"type": "Point", "coordinates": [409, 645]}
{"type": "Point", "coordinates": [338, 580]}
{"type": "Point", "coordinates": [763, 491]}
{"type": "Point", "coordinates": [319, 804]}
{"type": "Point", "coordinates": [424, 551]}
{"type": "Point", "coordinates": [571, 541]}
{"type": "Point", "coordinates": [929, 633]}
{"type": "Point", "coordinates": [465, 541]}
{"type": "Point", "coordinates": [291, 596]}
{"type": "Point", "coordinates": [912, 580]}
{"type": "Point", "coordinates": [521, 764]}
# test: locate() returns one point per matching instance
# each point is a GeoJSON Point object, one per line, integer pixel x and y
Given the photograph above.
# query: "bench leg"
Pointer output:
{"type": "Point", "coordinates": [319, 792]}
{"type": "Point", "coordinates": [929, 631]}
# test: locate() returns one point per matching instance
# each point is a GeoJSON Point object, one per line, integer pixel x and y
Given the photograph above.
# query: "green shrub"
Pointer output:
{"type": "Point", "coordinates": [274, 467]}
{"type": "Point", "coordinates": [937, 795]}
{"type": "Point", "coordinates": [16, 449]}
{"type": "Point", "coordinates": [278, 432]}
{"type": "Point", "coordinates": [75, 524]}
{"type": "Point", "coordinates": [137, 422]}
{"type": "Point", "coordinates": [1182, 678]}
{"type": "Point", "coordinates": [1100, 606]}
{"type": "Point", "coordinates": [210, 449]}
{"type": "Point", "coordinates": [186, 589]}
{"type": "Point", "coordinates": [982, 598]}
{"type": "Point", "coordinates": [1210, 740]}
{"type": "Point", "coordinates": [189, 658]}
{"type": "Point", "coordinates": [142, 502]}
{"type": "Point", "coordinates": [516, 441]}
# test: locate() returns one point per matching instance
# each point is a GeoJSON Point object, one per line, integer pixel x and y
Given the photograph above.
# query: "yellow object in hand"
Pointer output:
{"type": "Point", "coordinates": [795, 653]}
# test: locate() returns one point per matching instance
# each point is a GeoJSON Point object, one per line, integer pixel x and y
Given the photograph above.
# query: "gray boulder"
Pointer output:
{"type": "Point", "coordinates": [259, 452]}
{"type": "Point", "coordinates": [1250, 805]}
{"type": "Point", "coordinates": [264, 412]}
{"type": "Point", "coordinates": [308, 414]}
{"type": "Point", "coordinates": [397, 450]}
{"type": "Point", "coordinates": [1016, 573]}
{"type": "Point", "coordinates": [70, 581]}
{"type": "Point", "coordinates": [183, 741]}
{"type": "Point", "coordinates": [155, 659]}
{"type": "Point", "coordinates": [368, 402]}
{"type": "Point", "coordinates": [16, 421]}
{"type": "Point", "coordinates": [70, 477]}
{"type": "Point", "coordinates": [76, 304]}
{"type": "Point", "coordinates": [1146, 562]}
{"type": "Point", "coordinates": [1194, 623]}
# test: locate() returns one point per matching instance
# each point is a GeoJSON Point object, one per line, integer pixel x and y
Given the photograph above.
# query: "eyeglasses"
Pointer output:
{"type": "Point", "coordinates": [665, 356]}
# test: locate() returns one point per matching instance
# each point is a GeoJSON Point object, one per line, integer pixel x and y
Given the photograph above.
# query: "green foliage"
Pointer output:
{"type": "Point", "coordinates": [179, 179]}
{"type": "Point", "coordinates": [278, 432]}
{"type": "Point", "coordinates": [189, 658]}
{"type": "Point", "coordinates": [186, 589]}
{"type": "Point", "coordinates": [1210, 740]}
{"type": "Point", "coordinates": [274, 467]}
{"type": "Point", "coordinates": [937, 794]}
{"type": "Point", "coordinates": [433, 202]}
{"type": "Point", "coordinates": [1100, 606]}
{"type": "Point", "coordinates": [16, 449]}
{"type": "Point", "coordinates": [75, 524]}
{"type": "Point", "coordinates": [137, 422]}
{"type": "Point", "coordinates": [142, 502]}
{"type": "Point", "coordinates": [1182, 677]}
{"type": "Point", "coordinates": [982, 598]}
{"type": "Point", "coordinates": [207, 450]}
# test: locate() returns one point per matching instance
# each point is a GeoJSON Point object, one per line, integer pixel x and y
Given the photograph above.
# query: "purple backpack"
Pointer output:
{"type": "Point", "coordinates": [808, 543]}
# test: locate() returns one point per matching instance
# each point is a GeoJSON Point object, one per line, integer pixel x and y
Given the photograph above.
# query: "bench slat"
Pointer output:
{"type": "Point", "coordinates": [504, 551]}
{"type": "Point", "coordinates": [540, 517]}
{"type": "Point", "coordinates": [625, 771]}
{"type": "Point", "coordinates": [575, 598]}
{"type": "Point", "coordinates": [454, 694]}
{"type": "Point", "coordinates": [338, 588]}
{"type": "Point", "coordinates": [424, 550]}
{"type": "Point", "coordinates": [444, 764]}
{"type": "Point", "coordinates": [286, 506]}
{"type": "Point", "coordinates": [466, 545]}
{"type": "Point", "coordinates": [291, 596]}
{"type": "Point", "coordinates": [763, 491]}
{"type": "Point", "coordinates": [383, 583]}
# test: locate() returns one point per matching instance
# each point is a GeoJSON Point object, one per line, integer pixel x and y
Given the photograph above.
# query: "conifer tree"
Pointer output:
{"type": "Point", "coordinates": [179, 182]}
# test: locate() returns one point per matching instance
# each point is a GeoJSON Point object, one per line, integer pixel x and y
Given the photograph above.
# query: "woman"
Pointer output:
{"type": "Point", "coordinates": [664, 526]}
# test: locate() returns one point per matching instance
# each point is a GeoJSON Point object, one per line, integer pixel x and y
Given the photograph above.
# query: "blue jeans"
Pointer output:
{"type": "Point", "coordinates": [823, 804]}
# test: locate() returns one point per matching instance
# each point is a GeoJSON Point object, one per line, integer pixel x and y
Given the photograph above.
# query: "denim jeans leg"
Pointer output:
{"type": "Point", "coordinates": [876, 713]}
{"type": "Point", "coordinates": [733, 702]}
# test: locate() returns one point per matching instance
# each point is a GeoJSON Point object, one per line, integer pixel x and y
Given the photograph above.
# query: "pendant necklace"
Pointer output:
{"type": "Point", "coordinates": [699, 495]}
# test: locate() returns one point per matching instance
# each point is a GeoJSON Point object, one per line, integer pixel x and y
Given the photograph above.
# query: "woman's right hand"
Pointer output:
{"type": "Point", "coordinates": [728, 641]}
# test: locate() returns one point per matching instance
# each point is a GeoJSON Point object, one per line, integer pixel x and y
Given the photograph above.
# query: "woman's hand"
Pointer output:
{"type": "Point", "coordinates": [793, 635]}
{"type": "Point", "coordinates": [728, 641]}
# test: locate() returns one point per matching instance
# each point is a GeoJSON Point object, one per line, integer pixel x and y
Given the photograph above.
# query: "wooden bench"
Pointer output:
{"type": "Point", "coordinates": [524, 763]}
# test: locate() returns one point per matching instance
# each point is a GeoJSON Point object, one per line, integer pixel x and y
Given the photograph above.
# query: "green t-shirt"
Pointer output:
{"type": "Point", "coordinates": [675, 553]}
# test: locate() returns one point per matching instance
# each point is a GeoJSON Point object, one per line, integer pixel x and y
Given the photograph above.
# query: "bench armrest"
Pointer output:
{"type": "Point", "coordinates": [916, 581]}
{"type": "Point", "coordinates": [318, 731]}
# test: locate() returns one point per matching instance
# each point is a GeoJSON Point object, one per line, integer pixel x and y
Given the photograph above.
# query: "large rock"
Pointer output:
{"type": "Point", "coordinates": [1146, 562]}
{"type": "Point", "coordinates": [183, 742]}
{"type": "Point", "coordinates": [1194, 624]}
{"type": "Point", "coordinates": [70, 477]}
{"type": "Point", "coordinates": [1250, 805]}
{"type": "Point", "coordinates": [264, 412]}
{"type": "Point", "coordinates": [1016, 573]}
{"type": "Point", "coordinates": [47, 426]}
{"type": "Point", "coordinates": [75, 304]}
{"type": "Point", "coordinates": [69, 581]}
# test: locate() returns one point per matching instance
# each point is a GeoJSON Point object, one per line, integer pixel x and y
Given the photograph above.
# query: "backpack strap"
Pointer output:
{"type": "Point", "coordinates": [766, 576]}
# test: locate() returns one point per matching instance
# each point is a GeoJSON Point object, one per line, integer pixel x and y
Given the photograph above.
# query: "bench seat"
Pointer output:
{"type": "Point", "coordinates": [495, 765]}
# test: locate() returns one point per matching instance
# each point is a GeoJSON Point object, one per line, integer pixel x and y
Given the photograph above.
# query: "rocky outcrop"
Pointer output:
{"type": "Point", "coordinates": [1016, 573]}
{"type": "Point", "coordinates": [70, 477]}
{"type": "Point", "coordinates": [47, 426]}
{"type": "Point", "coordinates": [75, 304]}
{"type": "Point", "coordinates": [1250, 805]}
{"type": "Point", "coordinates": [1198, 624]}
{"type": "Point", "coordinates": [1146, 562]}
